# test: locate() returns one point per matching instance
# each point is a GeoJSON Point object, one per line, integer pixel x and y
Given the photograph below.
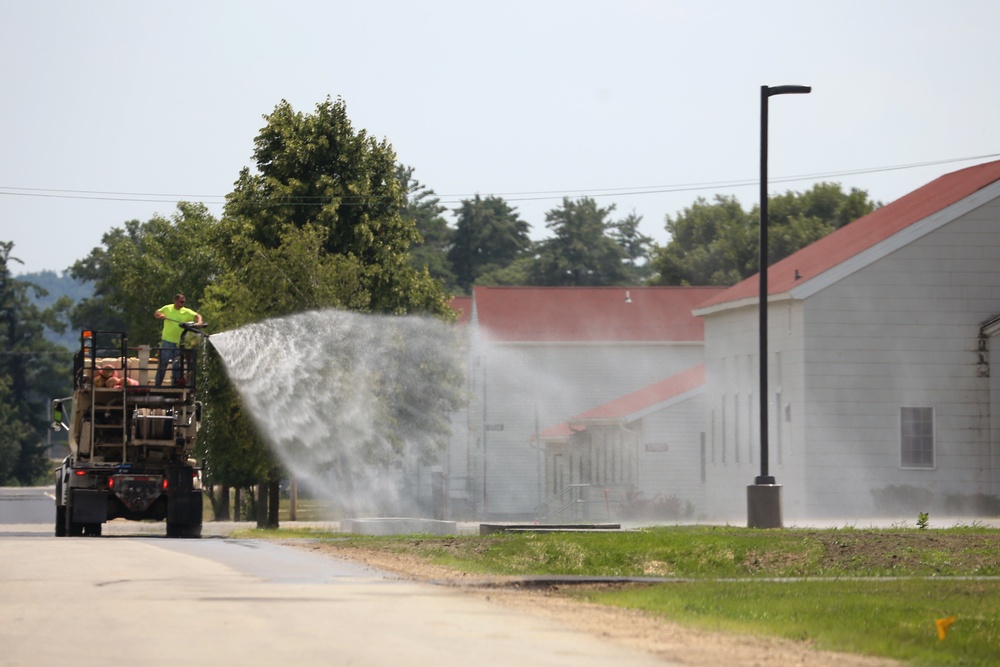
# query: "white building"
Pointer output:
{"type": "Point", "coordinates": [639, 457]}
{"type": "Point", "coordinates": [881, 341]}
{"type": "Point", "coordinates": [539, 356]}
{"type": "Point", "coordinates": [884, 393]}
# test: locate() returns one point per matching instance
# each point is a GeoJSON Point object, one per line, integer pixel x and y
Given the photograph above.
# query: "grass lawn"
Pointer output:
{"type": "Point", "coordinates": [867, 591]}
{"type": "Point", "coordinates": [887, 617]}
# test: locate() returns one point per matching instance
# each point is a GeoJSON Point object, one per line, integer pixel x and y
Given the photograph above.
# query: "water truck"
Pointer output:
{"type": "Point", "coordinates": [131, 440]}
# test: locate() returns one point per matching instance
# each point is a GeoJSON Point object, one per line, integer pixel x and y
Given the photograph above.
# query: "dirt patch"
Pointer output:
{"type": "Point", "coordinates": [670, 641]}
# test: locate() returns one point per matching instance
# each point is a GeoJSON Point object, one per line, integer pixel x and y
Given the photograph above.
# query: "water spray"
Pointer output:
{"type": "Point", "coordinates": [349, 402]}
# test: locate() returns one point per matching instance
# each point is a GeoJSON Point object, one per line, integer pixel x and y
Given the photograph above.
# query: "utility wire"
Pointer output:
{"type": "Point", "coordinates": [534, 195]}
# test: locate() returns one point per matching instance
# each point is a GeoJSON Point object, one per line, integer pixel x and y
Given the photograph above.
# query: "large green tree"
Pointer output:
{"type": "Point", "coordinates": [140, 266]}
{"type": "Point", "coordinates": [717, 243]}
{"type": "Point", "coordinates": [33, 371]}
{"type": "Point", "coordinates": [489, 235]}
{"type": "Point", "coordinates": [318, 223]}
{"type": "Point", "coordinates": [796, 219]}
{"type": "Point", "coordinates": [581, 251]}
{"type": "Point", "coordinates": [317, 170]}
{"type": "Point", "coordinates": [637, 246]}
{"type": "Point", "coordinates": [424, 209]}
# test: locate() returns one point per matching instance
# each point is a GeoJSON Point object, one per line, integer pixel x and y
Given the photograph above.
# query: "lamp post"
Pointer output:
{"type": "Point", "coordinates": [764, 495]}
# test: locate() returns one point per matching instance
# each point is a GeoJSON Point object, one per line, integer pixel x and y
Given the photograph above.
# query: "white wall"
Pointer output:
{"type": "Point", "coordinates": [732, 407]}
{"type": "Point", "coordinates": [902, 332]}
{"type": "Point", "coordinates": [541, 385]}
{"type": "Point", "coordinates": [676, 471]}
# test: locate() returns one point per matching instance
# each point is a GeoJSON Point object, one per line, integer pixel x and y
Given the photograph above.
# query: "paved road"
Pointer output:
{"type": "Point", "coordinates": [149, 600]}
{"type": "Point", "coordinates": [26, 506]}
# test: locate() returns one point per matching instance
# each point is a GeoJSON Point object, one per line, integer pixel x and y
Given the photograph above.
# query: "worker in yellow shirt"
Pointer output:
{"type": "Point", "coordinates": [173, 314]}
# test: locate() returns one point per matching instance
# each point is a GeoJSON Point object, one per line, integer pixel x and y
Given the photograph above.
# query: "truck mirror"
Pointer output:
{"type": "Point", "coordinates": [57, 416]}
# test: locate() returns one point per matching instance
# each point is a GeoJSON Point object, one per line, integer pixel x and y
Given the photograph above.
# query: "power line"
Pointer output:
{"type": "Point", "coordinates": [707, 185]}
{"type": "Point", "coordinates": [533, 195]}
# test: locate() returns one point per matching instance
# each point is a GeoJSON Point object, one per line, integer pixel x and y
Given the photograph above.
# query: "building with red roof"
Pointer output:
{"type": "Point", "coordinates": [883, 394]}
{"type": "Point", "coordinates": [540, 355]}
{"type": "Point", "coordinates": [462, 305]}
{"type": "Point", "coordinates": [646, 444]}
{"type": "Point", "coordinates": [880, 353]}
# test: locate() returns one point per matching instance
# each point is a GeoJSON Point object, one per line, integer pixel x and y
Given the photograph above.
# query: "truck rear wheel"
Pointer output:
{"type": "Point", "coordinates": [73, 529]}
{"type": "Point", "coordinates": [185, 530]}
{"type": "Point", "coordinates": [60, 509]}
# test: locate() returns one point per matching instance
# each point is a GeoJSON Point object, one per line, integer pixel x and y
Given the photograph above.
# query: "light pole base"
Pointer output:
{"type": "Point", "coordinates": [764, 506]}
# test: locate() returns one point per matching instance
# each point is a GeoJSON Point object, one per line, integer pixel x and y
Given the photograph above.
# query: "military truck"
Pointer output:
{"type": "Point", "coordinates": [131, 441]}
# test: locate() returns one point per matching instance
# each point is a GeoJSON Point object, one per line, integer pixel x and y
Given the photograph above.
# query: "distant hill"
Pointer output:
{"type": "Point", "coordinates": [57, 285]}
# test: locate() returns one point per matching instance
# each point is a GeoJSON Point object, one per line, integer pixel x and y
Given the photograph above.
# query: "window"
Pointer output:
{"type": "Point", "coordinates": [703, 457]}
{"type": "Point", "coordinates": [736, 427]}
{"type": "Point", "coordinates": [916, 431]}
{"type": "Point", "coordinates": [777, 427]}
{"type": "Point", "coordinates": [723, 425]}
{"type": "Point", "coordinates": [713, 437]}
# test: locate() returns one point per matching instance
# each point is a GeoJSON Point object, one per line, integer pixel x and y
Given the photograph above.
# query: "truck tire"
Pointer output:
{"type": "Point", "coordinates": [60, 512]}
{"type": "Point", "coordinates": [184, 530]}
{"type": "Point", "coordinates": [73, 529]}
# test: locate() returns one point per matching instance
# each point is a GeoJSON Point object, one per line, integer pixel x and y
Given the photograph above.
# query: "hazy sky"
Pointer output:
{"type": "Point", "coordinates": [113, 111]}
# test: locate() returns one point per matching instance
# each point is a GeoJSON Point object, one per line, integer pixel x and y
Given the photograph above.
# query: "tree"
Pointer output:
{"type": "Point", "coordinates": [717, 243]}
{"type": "Point", "coordinates": [314, 169]}
{"type": "Point", "coordinates": [141, 266]}
{"type": "Point", "coordinates": [710, 244]}
{"type": "Point", "coordinates": [514, 274]}
{"type": "Point", "coordinates": [489, 235]}
{"type": "Point", "coordinates": [637, 247]}
{"type": "Point", "coordinates": [317, 225]}
{"type": "Point", "coordinates": [56, 286]}
{"type": "Point", "coordinates": [15, 434]}
{"type": "Point", "coordinates": [32, 372]}
{"type": "Point", "coordinates": [795, 220]}
{"type": "Point", "coordinates": [425, 209]}
{"type": "Point", "coordinates": [581, 252]}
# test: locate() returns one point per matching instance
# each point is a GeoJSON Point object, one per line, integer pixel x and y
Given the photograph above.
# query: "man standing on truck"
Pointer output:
{"type": "Point", "coordinates": [173, 314]}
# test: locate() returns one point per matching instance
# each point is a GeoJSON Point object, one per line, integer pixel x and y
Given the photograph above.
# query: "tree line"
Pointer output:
{"type": "Point", "coordinates": [328, 218]}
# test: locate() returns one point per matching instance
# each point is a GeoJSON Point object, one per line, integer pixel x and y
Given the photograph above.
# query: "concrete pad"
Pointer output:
{"type": "Point", "coordinates": [398, 526]}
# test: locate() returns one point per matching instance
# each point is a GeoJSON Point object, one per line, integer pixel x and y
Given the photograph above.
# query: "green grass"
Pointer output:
{"type": "Point", "coordinates": [874, 592]}
{"type": "Point", "coordinates": [716, 552]}
{"type": "Point", "coordinates": [891, 618]}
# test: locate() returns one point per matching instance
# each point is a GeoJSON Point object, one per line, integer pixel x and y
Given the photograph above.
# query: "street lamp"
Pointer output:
{"type": "Point", "coordinates": [764, 495]}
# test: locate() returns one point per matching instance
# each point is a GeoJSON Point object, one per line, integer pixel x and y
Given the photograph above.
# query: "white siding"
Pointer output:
{"type": "Point", "coordinates": [542, 385]}
{"type": "Point", "coordinates": [733, 379]}
{"type": "Point", "coordinates": [902, 332]}
{"type": "Point", "coordinates": [676, 471]}
{"type": "Point", "coordinates": [994, 402]}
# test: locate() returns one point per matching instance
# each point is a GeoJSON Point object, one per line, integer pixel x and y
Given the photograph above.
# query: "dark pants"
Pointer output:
{"type": "Point", "coordinates": [168, 356]}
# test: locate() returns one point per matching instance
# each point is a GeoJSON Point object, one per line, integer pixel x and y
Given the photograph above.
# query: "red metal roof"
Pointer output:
{"type": "Point", "coordinates": [463, 306]}
{"type": "Point", "coordinates": [864, 233]}
{"type": "Point", "coordinates": [648, 396]}
{"type": "Point", "coordinates": [627, 406]}
{"type": "Point", "coordinates": [574, 314]}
